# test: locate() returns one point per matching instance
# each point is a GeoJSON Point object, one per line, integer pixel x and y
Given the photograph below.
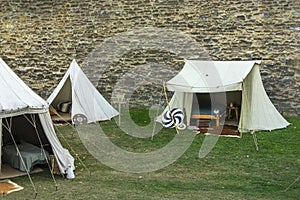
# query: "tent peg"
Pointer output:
{"type": "Point", "coordinates": [254, 139]}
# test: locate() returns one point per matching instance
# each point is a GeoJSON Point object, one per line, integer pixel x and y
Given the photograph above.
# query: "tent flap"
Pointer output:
{"type": "Point", "coordinates": [63, 157]}
{"type": "Point", "coordinates": [258, 112]}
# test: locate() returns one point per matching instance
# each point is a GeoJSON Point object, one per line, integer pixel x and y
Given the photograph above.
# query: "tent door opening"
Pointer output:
{"type": "Point", "coordinates": [226, 104]}
{"type": "Point", "coordinates": [62, 104]}
{"type": "Point", "coordinates": [25, 136]}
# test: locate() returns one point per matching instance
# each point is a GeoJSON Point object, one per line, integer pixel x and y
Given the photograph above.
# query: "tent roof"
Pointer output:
{"type": "Point", "coordinates": [16, 96]}
{"type": "Point", "coordinates": [86, 99]}
{"type": "Point", "coordinates": [211, 76]}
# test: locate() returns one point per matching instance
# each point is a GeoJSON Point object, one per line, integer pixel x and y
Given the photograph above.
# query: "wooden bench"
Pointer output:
{"type": "Point", "coordinates": [206, 116]}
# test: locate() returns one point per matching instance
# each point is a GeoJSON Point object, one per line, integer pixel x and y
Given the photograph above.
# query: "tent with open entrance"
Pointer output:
{"type": "Point", "coordinates": [76, 89]}
{"type": "Point", "coordinates": [25, 124]}
{"type": "Point", "coordinates": [235, 84]}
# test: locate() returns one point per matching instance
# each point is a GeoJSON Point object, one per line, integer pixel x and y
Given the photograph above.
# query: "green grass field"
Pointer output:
{"type": "Point", "coordinates": [232, 170]}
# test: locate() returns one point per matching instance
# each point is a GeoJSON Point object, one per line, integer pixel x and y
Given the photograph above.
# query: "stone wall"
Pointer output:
{"type": "Point", "coordinates": [39, 39]}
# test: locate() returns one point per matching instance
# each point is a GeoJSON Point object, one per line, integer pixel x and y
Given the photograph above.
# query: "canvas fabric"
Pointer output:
{"type": "Point", "coordinates": [257, 113]}
{"type": "Point", "coordinates": [85, 97]}
{"type": "Point", "coordinates": [210, 76]}
{"type": "Point", "coordinates": [18, 99]}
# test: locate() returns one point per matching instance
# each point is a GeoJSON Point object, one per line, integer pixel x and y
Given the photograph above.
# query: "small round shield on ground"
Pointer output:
{"type": "Point", "coordinates": [79, 119]}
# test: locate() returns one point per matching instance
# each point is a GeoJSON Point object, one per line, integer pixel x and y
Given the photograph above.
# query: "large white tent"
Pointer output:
{"type": "Point", "coordinates": [18, 104]}
{"type": "Point", "coordinates": [227, 77]}
{"type": "Point", "coordinates": [75, 87]}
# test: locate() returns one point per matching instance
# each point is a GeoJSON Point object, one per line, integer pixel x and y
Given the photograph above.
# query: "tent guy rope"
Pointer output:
{"type": "Point", "coordinates": [33, 123]}
{"type": "Point", "coordinates": [63, 137]}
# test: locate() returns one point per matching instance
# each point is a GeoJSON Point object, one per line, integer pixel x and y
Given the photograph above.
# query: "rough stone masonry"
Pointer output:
{"type": "Point", "coordinates": [39, 39]}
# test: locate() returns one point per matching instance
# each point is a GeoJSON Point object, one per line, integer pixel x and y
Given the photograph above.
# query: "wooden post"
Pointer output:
{"type": "Point", "coordinates": [119, 113]}
{"type": "Point", "coordinates": [169, 109]}
{"type": "Point", "coordinates": [254, 139]}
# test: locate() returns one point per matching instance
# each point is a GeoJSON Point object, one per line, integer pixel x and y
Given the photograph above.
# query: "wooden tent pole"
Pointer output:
{"type": "Point", "coordinates": [168, 105]}
{"type": "Point", "coordinates": [1, 144]}
{"type": "Point", "coordinates": [8, 127]}
{"type": "Point", "coordinates": [33, 123]}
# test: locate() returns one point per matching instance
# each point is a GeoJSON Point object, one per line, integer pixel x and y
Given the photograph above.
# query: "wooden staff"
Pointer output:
{"type": "Point", "coordinates": [169, 109]}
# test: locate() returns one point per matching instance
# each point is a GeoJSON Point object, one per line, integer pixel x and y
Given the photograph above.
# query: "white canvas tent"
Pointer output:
{"type": "Point", "coordinates": [75, 87]}
{"type": "Point", "coordinates": [213, 77]}
{"type": "Point", "coordinates": [18, 103]}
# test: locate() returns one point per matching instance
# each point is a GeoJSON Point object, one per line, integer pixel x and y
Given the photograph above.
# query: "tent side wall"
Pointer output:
{"type": "Point", "coordinates": [258, 112]}
{"type": "Point", "coordinates": [87, 100]}
{"type": "Point", "coordinates": [63, 157]}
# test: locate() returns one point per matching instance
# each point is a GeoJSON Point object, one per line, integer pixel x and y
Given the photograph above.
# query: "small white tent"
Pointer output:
{"type": "Point", "coordinates": [217, 77]}
{"type": "Point", "coordinates": [18, 104]}
{"type": "Point", "coordinates": [75, 87]}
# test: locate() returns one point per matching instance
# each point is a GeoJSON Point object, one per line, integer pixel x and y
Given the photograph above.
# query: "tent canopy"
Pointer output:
{"type": "Point", "coordinates": [86, 99]}
{"type": "Point", "coordinates": [17, 100]}
{"type": "Point", "coordinates": [216, 77]}
{"type": "Point", "coordinates": [211, 76]}
{"type": "Point", "coordinates": [16, 96]}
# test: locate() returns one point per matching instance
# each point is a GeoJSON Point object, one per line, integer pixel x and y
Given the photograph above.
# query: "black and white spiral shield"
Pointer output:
{"type": "Point", "coordinates": [172, 118]}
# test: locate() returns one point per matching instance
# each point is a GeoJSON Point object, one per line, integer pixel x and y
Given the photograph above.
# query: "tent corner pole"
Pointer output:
{"type": "Point", "coordinates": [1, 138]}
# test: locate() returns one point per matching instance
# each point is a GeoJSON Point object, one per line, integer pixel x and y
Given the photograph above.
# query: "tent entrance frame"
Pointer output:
{"type": "Point", "coordinates": [64, 95]}
{"type": "Point", "coordinates": [8, 125]}
{"type": "Point", "coordinates": [232, 101]}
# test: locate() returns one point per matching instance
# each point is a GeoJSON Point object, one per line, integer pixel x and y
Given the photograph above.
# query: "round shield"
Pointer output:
{"type": "Point", "coordinates": [80, 119]}
{"type": "Point", "coordinates": [172, 118]}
